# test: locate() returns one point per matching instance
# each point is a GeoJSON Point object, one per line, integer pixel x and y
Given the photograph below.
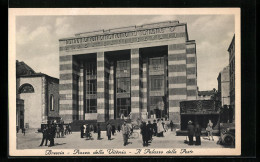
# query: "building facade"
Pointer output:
{"type": "Point", "coordinates": [231, 50]}
{"type": "Point", "coordinates": [224, 86]}
{"type": "Point", "coordinates": [137, 71]}
{"type": "Point", "coordinates": [37, 96]}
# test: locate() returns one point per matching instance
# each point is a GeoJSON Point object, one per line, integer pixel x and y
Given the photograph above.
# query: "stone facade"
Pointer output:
{"type": "Point", "coordinates": [40, 94]}
{"type": "Point", "coordinates": [223, 86]}
{"type": "Point", "coordinates": [231, 51]}
{"type": "Point", "coordinates": [139, 49]}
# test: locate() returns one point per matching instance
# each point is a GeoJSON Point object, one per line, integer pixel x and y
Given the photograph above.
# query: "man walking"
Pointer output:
{"type": "Point", "coordinates": [145, 135]}
{"type": "Point", "coordinates": [154, 128]}
{"type": "Point", "coordinates": [81, 131]}
{"type": "Point", "coordinates": [44, 136]}
{"type": "Point", "coordinates": [171, 125]}
{"type": "Point", "coordinates": [150, 130]}
{"type": "Point", "coordinates": [197, 134]}
{"type": "Point", "coordinates": [109, 131]}
{"type": "Point", "coordinates": [98, 131]}
{"type": "Point", "coordinates": [190, 129]}
{"type": "Point", "coordinates": [125, 131]}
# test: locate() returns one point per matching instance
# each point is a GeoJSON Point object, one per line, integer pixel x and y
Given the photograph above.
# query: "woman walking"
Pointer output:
{"type": "Point", "coordinates": [209, 129]}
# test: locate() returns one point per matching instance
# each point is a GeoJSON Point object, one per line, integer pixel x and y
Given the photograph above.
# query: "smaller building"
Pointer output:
{"type": "Point", "coordinates": [40, 95]}
{"type": "Point", "coordinates": [231, 51]}
{"type": "Point", "coordinates": [223, 86]}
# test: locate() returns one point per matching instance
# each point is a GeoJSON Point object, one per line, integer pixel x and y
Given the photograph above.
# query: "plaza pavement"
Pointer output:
{"type": "Point", "coordinates": [32, 140]}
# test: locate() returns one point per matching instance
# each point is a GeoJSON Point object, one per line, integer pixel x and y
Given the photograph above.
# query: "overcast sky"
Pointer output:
{"type": "Point", "coordinates": [37, 39]}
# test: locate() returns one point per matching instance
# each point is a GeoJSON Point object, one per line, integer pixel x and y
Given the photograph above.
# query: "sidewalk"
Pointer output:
{"type": "Point", "coordinates": [32, 140]}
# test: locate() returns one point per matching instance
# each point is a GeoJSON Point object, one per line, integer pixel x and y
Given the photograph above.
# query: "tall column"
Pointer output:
{"type": "Point", "coordinates": [67, 91]}
{"type": "Point", "coordinates": [177, 79]}
{"type": "Point", "coordinates": [135, 83]}
{"type": "Point", "coordinates": [192, 91]}
{"type": "Point", "coordinates": [81, 92]}
{"type": "Point", "coordinates": [144, 88]}
{"type": "Point", "coordinates": [111, 91]}
{"type": "Point", "coordinates": [100, 87]}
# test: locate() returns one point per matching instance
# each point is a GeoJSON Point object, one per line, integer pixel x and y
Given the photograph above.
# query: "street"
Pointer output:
{"type": "Point", "coordinates": [32, 140]}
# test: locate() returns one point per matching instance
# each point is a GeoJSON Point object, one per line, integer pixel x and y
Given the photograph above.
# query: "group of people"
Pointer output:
{"type": "Point", "coordinates": [148, 130]}
{"type": "Point", "coordinates": [195, 130]}
{"type": "Point", "coordinates": [51, 131]}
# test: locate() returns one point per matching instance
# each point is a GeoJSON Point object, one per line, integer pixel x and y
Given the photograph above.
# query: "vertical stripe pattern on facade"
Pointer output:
{"type": "Point", "coordinates": [111, 92]}
{"type": "Point", "coordinates": [176, 73]}
{"type": "Point", "coordinates": [192, 91]}
{"type": "Point", "coordinates": [81, 94]}
{"type": "Point", "coordinates": [135, 81]}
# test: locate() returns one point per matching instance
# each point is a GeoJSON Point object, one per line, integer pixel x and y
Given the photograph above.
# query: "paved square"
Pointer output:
{"type": "Point", "coordinates": [32, 140]}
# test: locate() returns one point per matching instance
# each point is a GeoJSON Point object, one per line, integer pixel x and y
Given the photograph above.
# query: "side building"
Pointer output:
{"type": "Point", "coordinates": [231, 50]}
{"type": "Point", "coordinates": [37, 96]}
{"type": "Point", "coordinates": [137, 71]}
{"type": "Point", "coordinates": [224, 86]}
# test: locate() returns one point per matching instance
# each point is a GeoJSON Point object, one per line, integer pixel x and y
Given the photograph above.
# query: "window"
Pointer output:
{"type": "Point", "coordinates": [123, 66]}
{"type": "Point", "coordinates": [51, 103]}
{"type": "Point", "coordinates": [91, 68]}
{"type": "Point", "coordinates": [123, 85]}
{"type": "Point", "coordinates": [91, 106]}
{"type": "Point", "coordinates": [156, 63]}
{"type": "Point", "coordinates": [123, 107]}
{"type": "Point", "coordinates": [156, 83]}
{"type": "Point", "coordinates": [26, 88]}
{"type": "Point", "coordinates": [91, 87]}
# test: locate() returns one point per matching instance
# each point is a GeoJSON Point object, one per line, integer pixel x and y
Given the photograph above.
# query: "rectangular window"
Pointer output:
{"type": "Point", "coordinates": [91, 87]}
{"type": "Point", "coordinates": [91, 105]}
{"type": "Point", "coordinates": [123, 85]}
{"type": "Point", "coordinates": [123, 107]}
{"type": "Point", "coordinates": [123, 66]}
{"type": "Point", "coordinates": [91, 68]}
{"type": "Point", "coordinates": [156, 63]}
{"type": "Point", "coordinates": [156, 83]}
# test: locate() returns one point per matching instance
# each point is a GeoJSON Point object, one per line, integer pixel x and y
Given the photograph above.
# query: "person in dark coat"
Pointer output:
{"type": "Point", "coordinates": [95, 128]}
{"type": "Point", "coordinates": [44, 136]}
{"type": "Point", "coordinates": [145, 134]}
{"type": "Point", "coordinates": [197, 134]}
{"type": "Point", "coordinates": [51, 134]}
{"type": "Point", "coordinates": [154, 128]}
{"type": "Point", "coordinates": [150, 130]}
{"type": "Point", "coordinates": [171, 125]}
{"type": "Point", "coordinates": [118, 128]}
{"type": "Point", "coordinates": [81, 131]}
{"type": "Point", "coordinates": [190, 129]}
{"type": "Point", "coordinates": [113, 129]}
{"type": "Point", "coordinates": [88, 131]}
{"type": "Point", "coordinates": [109, 131]}
{"type": "Point", "coordinates": [98, 131]}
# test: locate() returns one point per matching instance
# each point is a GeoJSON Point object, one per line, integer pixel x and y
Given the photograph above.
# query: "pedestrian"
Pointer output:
{"type": "Point", "coordinates": [171, 125]}
{"type": "Point", "coordinates": [17, 129]}
{"type": "Point", "coordinates": [160, 128]}
{"type": "Point", "coordinates": [125, 132]}
{"type": "Point", "coordinates": [145, 134]}
{"type": "Point", "coordinates": [91, 128]}
{"type": "Point", "coordinates": [62, 130]}
{"type": "Point", "coordinates": [81, 131]}
{"type": "Point", "coordinates": [57, 131]}
{"type": "Point", "coordinates": [113, 129]}
{"type": "Point", "coordinates": [98, 131]}
{"type": "Point", "coordinates": [70, 132]}
{"type": "Point", "coordinates": [65, 129]}
{"type": "Point", "coordinates": [163, 124]}
{"type": "Point", "coordinates": [154, 128]}
{"type": "Point", "coordinates": [109, 131]}
{"type": "Point", "coordinates": [88, 131]}
{"type": "Point", "coordinates": [23, 131]}
{"type": "Point", "coordinates": [197, 134]}
{"type": "Point", "coordinates": [95, 128]}
{"type": "Point", "coordinates": [190, 129]}
{"type": "Point", "coordinates": [118, 127]}
{"type": "Point", "coordinates": [150, 130]}
{"type": "Point", "coordinates": [44, 135]}
{"type": "Point", "coordinates": [52, 131]}
{"type": "Point", "coordinates": [209, 129]}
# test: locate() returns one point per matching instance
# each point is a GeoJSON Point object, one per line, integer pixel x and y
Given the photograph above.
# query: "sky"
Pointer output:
{"type": "Point", "coordinates": [38, 46]}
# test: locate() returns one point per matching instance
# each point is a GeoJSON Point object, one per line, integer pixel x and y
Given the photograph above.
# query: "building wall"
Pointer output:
{"type": "Point", "coordinates": [225, 82]}
{"type": "Point", "coordinates": [52, 89]}
{"type": "Point", "coordinates": [231, 51]}
{"type": "Point", "coordinates": [33, 105]}
{"type": "Point", "coordinates": [181, 77]}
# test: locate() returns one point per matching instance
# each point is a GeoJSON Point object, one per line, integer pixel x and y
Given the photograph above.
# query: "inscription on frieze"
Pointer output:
{"type": "Point", "coordinates": [121, 38]}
